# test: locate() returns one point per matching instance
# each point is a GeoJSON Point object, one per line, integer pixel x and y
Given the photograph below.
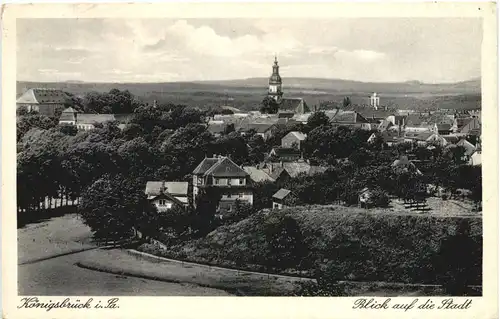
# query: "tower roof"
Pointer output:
{"type": "Point", "coordinates": [275, 78]}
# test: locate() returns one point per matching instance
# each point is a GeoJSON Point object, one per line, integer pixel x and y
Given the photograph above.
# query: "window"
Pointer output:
{"type": "Point", "coordinates": [229, 181]}
{"type": "Point", "coordinates": [229, 195]}
{"type": "Point", "coordinates": [242, 181]}
{"type": "Point", "coordinates": [240, 195]}
{"type": "Point", "coordinates": [162, 202]}
{"type": "Point", "coordinates": [215, 181]}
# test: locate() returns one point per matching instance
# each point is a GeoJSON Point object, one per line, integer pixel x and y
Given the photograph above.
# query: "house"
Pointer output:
{"type": "Point", "coordinates": [262, 129]}
{"type": "Point", "coordinates": [475, 158]}
{"type": "Point", "coordinates": [388, 137]}
{"type": "Point", "coordinates": [293, 139]}
{"type": "Point", "coordinates": [294, 105]}
{"type": "Point", "coordinates": [472, 127]}
{"type": "Point", "coordinates": [217, 129]}
{"type": "Point", "coordinates": [284, 198]}
{"type": "Point", "coordinates": [459, 122]}
{"type": "Point", "coordinates": [443, 128]}
{"type": "Point", "coordinates": [257, 175]}
{"type": "Point", "coordinates": [226, 176]}
{"type": "Point", "coordinates": [164, 195]}
{"type": "Point", "coordinates": [294, 169]}
{"type": "Point", "coordinates": [420, 137]}
{"type": "Point", "coordinates": [351, 119]}
{"type": "Point", "coordinates": [43, 101]}
{"type": "Point", "coordinates": [436, 139]}
{"type": "Point", "coordinates": [276, 175]}
{"type": "Point", "coordinates": [87, 121]}
{"type": "Point", "coordinates": [284, 154]}
{"type": "Point", "coordinates": [469, 148]}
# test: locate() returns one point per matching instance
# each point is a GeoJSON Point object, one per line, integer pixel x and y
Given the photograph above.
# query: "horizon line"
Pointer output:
{"type": "Point", "coordinates": [250, 78]}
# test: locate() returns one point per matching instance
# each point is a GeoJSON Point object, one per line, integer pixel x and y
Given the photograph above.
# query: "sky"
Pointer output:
{"type": "Point", "coordinates": [431, 50]}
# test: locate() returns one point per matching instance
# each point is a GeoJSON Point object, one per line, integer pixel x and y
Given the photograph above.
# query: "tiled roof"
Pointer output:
{"type": "Point", "coordinates": [225, 167]}
{"type": "Point", "coordinates": [377, 114]}
{"type": "Point", "coordinates": [299, 135]}
{"type": "Point", "coordinates": [384, 125]}
{"type": "Point", "coordinates": [415, 120]}
{"type": "Point", "coordinates": [453, 139]}
{"type": "Point", "coordinates": [443, 127]}
{"type": "Point", "coordinates": [282, 193]}
{"type": "Point", "coordinates": [258, 127]}
{"type": "Point", "coordinates": [469, 148]}
{"type": "Point", "coordinates": [174, 188]}
{"type": "Point", "coordinates": [348, 117]}
{"type": "Point", "coordinates": [297, 105]}
{"type": "Point", "coordinates": [257, 175]}
{"type": "Point", "coordinates": [203, 167]}
{"type": "Point", "coordinates": [85, 118]}
{"type": "Point", "coordinates": [43, 96]}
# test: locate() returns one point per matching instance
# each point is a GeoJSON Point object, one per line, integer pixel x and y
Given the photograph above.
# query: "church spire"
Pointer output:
{"type": "Point", "coordinates": [275, 82]}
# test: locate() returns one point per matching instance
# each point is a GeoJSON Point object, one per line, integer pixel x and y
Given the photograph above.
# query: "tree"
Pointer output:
{"type": "Point", "coordinates": [203, 218]}
{"type": "Point", "coordinates": [316, 119]}
{"type": "Point", "coordinates": [269, 106]}
{"type": "Point", "coordinates": [66, 129]}
{"type": "Point", "coordinates": [257, 149]}
{"type": "Point", "coordinates": [27, 122]}
{"type": "Point", "coordinates": [116, 208]}
{"type": "Point", "coordinates": [285, 241]}
{"type": "Point", "coordinates": [232, 145]}
{"type": "Point", "coordinates": [346, 102]}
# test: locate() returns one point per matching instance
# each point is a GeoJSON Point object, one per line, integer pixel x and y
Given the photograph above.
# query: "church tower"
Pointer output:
{"type": "Point", "coordinates": [275, 83]}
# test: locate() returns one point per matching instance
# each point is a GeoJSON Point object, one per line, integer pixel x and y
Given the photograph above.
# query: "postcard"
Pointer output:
{"type": "Point", "coordinates": [250, 160]}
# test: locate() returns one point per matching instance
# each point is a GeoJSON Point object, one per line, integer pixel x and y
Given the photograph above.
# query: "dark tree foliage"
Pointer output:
{"type": "Point", "coordinates": [316, 119]}
{"type": "Point", "coordinates": [68, 129]}
{"type": "Point", "coordinates": [117, 208]}
{"type": "Point", "coordinates": [269, 106]}
{"type": "Point", "coordinates": [203, 219]}
{"type": "Point", "coordinates": [29, 121]}
{"type": "Point", "coordinates": [115, 101]}
{"type": "Point", "coordinates": [285, 241]}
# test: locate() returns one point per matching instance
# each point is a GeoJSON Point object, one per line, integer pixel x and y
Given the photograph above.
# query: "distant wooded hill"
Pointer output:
{"type": "Point", "coordinates": [247, 94]}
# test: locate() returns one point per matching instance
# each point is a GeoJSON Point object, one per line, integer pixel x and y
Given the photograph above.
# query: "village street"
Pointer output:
{"type": "Point", "coordinates": [60, 276]}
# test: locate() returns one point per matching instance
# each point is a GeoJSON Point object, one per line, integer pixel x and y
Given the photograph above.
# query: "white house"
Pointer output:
{"type": "Point", "coordinates": [164, 195]}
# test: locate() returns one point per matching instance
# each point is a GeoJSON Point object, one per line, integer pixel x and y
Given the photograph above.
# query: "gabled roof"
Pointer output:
{"type": "Point", "coordinates": [298, 135]}
{"type": "Point", "coordinates": [225, 167]}
{"type": "Point", "coordinates": [282, 193]}
{"type": "Point", "coordinates": [443, 127]}
{"type": "Point", "coordinates": [169, 197]}
{"type": "Point", "coordinates": [68, 114]}
{"type": "Point", "coordinates": [436, 138]}
{"type": "Point", "coordinates": [297, 105]}
{"type": "Point", "coordinates": [348, 117]}
{"type": "Point", "coordinates": [203, 167]}
{"type": "Point", "coordinates": [415, 120]}
{"type": "Point", "coordinates": [452, 139]}
{"type": "Point", "coordinates": [469, 148]}
{"type": "Point", "coordinates": [257, 175]}
{"type": "Point", "coordinates": [175, 188]}
{"type": "Point", "coordinates": [259, 127]}
{"type": "Point", "coordinates": [43, 96]}
{"type": "Point", "coordinates": [384, 125]}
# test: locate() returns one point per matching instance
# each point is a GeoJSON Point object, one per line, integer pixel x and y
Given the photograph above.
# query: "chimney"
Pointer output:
{"type": "Point", "coordinates": [162, 187]}
{"type": "Point", "coordinates": [281, 164]}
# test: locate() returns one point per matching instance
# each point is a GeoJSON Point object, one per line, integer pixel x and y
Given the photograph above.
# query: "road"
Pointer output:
{"type": "Point", "coordinates": [60, 276]}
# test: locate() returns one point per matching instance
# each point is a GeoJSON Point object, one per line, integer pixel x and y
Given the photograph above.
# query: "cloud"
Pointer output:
{"type": "Point", "coordinates": [204, 41]}
{"type": "Point", "coordinates": [211, 49]}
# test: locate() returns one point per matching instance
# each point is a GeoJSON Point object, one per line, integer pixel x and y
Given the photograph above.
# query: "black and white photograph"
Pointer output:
{"type": "Point", "coordinates": [235, 156]}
